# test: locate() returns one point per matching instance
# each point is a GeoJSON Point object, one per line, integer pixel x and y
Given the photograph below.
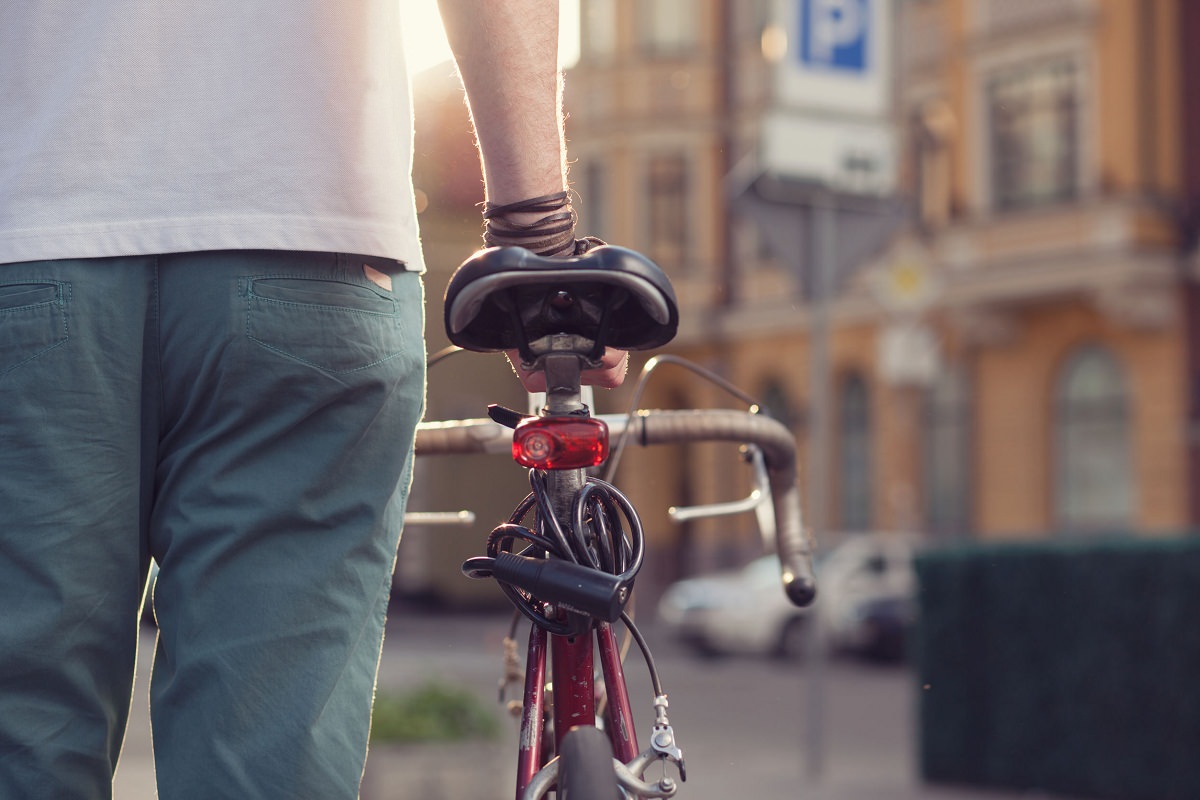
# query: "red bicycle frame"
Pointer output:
{"type": "Point", "coordinates": [572, 659]}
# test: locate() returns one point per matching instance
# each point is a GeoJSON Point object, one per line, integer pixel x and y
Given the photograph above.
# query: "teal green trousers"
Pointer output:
{"type": "Point", "coordinates": [246, 419]}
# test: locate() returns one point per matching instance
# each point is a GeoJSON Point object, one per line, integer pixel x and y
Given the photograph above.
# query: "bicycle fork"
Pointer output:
{"type": "Point", "coordinates": [572, 661]}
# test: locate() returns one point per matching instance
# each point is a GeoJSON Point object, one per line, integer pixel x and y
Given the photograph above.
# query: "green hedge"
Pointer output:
{"type": "Point", "coordinates": [1069, 668]}
{"type": "Point", "coordinates": [434, 712]}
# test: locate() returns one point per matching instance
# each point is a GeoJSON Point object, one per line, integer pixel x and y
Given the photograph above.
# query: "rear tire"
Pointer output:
{"type": "Point", "coordinates": [586, 766]}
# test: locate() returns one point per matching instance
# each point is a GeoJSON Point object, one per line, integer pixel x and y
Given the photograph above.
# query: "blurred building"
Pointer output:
{"type": "Point", "coordinates": [1021, 358]}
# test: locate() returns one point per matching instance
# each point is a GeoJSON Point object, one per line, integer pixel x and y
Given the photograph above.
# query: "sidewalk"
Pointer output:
{"type": "Point", "coordinates": [749, 748]}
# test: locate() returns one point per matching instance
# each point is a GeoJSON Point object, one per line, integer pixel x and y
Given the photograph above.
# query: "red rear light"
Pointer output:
{"type": "Point", "coordinates": [560, 442]}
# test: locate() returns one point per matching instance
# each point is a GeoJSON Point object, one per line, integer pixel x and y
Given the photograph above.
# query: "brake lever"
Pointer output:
{"type": "Point", "coordinates": [758, 501]}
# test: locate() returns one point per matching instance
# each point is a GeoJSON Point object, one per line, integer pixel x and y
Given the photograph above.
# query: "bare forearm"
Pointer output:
{"type": "Point", "coordinates": [507, 54]}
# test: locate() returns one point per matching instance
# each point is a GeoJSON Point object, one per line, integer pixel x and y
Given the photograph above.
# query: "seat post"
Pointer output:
{"type": "Point", "coordinates": [562, 368]}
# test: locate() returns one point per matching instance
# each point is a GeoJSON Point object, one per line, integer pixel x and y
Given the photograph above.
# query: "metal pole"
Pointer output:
{"type": "Point", "coordinates": [824, 254]}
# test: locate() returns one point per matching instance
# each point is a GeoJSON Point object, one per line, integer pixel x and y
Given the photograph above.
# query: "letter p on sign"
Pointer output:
{"type": "Point", "coordinates": [834, 34]}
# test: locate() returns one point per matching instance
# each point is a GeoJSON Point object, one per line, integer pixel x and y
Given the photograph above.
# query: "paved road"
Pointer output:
{"type": "Point", "coordinates": [743, 725]}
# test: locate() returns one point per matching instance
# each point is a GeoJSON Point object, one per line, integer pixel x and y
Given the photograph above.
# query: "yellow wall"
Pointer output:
{"type": "Point", "coordinates": [1014, 393]}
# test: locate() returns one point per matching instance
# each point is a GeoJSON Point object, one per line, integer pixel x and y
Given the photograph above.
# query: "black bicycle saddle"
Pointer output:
{"type": "Point", "coordinates": [506, 298]}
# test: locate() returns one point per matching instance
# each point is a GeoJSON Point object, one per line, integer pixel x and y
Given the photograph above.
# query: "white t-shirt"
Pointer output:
{"type": "Point", "coordinates": [140, 126]}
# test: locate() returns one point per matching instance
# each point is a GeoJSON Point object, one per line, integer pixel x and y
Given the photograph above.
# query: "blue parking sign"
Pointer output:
{"type": "Point", "coordinates": [834, 34]}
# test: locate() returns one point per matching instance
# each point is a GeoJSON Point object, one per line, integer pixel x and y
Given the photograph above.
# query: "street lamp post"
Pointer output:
{"type": "Point", "coordinates": [826, 235]}
{"type": "Point", "coordinates": [824, 260]}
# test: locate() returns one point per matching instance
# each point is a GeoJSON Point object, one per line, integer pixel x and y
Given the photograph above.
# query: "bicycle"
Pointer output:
{"type": "Point", "coordinates": [568, 556]}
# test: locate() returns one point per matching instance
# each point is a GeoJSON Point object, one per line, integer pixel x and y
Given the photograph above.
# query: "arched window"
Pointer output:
{"type": "Point", "coordinates": [777, 402]}
{"type": "Point", "coordinates": [947, 455]}
{"type": "Point", "coordinates": [1094, 476]}
{"type": "Point", "coordinates": [854, 454]}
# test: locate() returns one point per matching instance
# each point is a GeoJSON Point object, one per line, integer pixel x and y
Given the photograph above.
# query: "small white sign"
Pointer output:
{"type": "Point", "coordinates": [854, 157]}
{"type": "Point", "coordinates": [909, 353]}
{"type": "Point", "coordinates": [907, 283]}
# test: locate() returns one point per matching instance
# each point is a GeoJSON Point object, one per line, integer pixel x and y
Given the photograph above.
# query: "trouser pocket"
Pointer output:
{"type": "Point", "coordinates": [33, 319]}
{"type": "Point", "coordinates": [334, 325]}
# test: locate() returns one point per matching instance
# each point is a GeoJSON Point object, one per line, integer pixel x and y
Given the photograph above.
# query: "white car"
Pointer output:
{"type": "Point", "coordinates": [865, 603]}
{"type": "Point", "coordinates": [736, 611]}
{"type": "Point", "coordinates": [867, 594]}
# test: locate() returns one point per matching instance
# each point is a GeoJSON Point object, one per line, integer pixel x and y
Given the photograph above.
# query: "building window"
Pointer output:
{"type": "Point", "coordinates": [593, 216]}
{"type": "Point", "coordinates": [669, 27]}
{"type": "Point", "coordinates": [854, 454]}
{"type": "Point", "coordinates": [947, 455]}
{"type": "Point", "coordinates": [751, 18]}
{"type": "Point", "coordinates": [1035, 135]}
{"type": "Point", "coordinates": [1094, 487]}
{"type": "Point", "coordinates": [667, 197]}
{"type": "Point", "coordinates": [598, 35]}
{"type": "Point", "coordinates": [777, 403]}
